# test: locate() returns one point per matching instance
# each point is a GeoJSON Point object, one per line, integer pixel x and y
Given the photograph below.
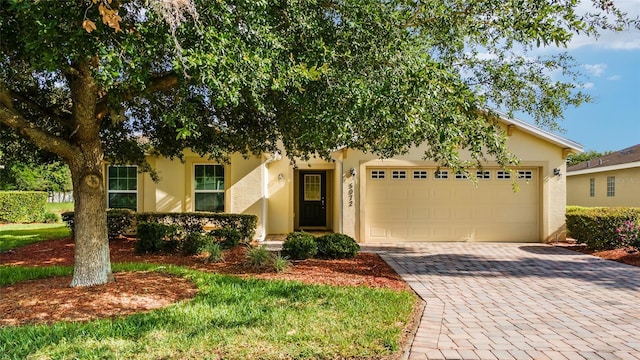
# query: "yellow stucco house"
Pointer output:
{"type": "Point", "coordinates": [401, 199]}
{"type": "Point", "coordinates": [611, 180]}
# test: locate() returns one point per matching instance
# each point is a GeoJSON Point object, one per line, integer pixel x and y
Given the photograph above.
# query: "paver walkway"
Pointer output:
{"type": "Point", "coordinates": [519, 301]}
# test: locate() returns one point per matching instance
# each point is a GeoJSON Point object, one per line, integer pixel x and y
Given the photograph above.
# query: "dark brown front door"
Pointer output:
{"type": "Point", "coordinates": [313, 199]}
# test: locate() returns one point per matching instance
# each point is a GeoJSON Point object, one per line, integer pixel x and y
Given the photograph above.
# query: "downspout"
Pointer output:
{"type": "Point", "coordinates": [265, 189]}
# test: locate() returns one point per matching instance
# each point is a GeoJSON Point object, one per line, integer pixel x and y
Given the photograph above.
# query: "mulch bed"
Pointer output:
{"type": "Point", "coordinates": [627, 256]}
{"type": "Point", "coordinates": [49, 300]}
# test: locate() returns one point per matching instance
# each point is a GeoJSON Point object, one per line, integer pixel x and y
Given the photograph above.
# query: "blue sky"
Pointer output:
{"type": "Point", "coordinates": [611, 65]}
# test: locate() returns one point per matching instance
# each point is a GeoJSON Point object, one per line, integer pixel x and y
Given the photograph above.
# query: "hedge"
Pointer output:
{"type": "Point", "coordinates": [196, 221]}
{"type": "Point", "coordinates": [120, 220]}
{"type": "Point", "coordinates": [22, 206]}
{"type": "Point", "coordinates": [596, 227]}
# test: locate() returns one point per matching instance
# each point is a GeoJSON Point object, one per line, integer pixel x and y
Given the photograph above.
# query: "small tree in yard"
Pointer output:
{"type": "Point", "coordinates": [84, 79]}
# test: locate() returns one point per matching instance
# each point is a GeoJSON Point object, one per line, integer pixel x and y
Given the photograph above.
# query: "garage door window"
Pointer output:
{"type": "Point", "coordinates": [503, 175]}
{"type": "Point", "coordinates": [399, 174]}
{"type": "Point", "coordinates": [461, 176]}
{"type": "Point", "coordinates": [525, 174]}
{"type": "Point", "coordinates": [377, 174]}
{"type": "Point", "coordinates": [441, 174]}
{"type": "Point", "coordinates": [483, 174]}
{"type": "Point", "coordinates": [420, 174]}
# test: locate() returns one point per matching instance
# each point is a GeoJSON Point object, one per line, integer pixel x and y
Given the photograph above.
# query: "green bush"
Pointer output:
{"type": "Point", "coordinates": [280, 263]}
{"type": "Point", "coordinates": [50, 218]}
{"type": "Point", "coordinates": [596, 227]}
{"type": "Point", "coordinates": [300, 245]}
{"type": "Point", "coordinates": [258, 257]}
{"type": "Point", "coordinates": [226, 236]}
{"type": "Point", "coordinates": [22, 206]}
{"type": "Point", "coordinates": [196, 221]}
{"type": "Point", "coordinates": [154, 238]}
{"type": "Point", "coordinates": [337, 246]}
{"type": "Point", "coordinates": [194, 243]}
{"type": "Point", "coordinates": [119, 221]}
{"type": "Point", "coordinates": [214, 252]}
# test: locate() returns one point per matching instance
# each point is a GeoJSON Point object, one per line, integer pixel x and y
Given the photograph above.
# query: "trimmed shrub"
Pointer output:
{"type": "Point", "coordinates": [596, 227]}
{"type": "Point", "coordinates": [119, 221]}
{"type": "Point", "coordinates": [226, 236]}
{"type": "Point", "coordinates": [300, 245]}
{"type": "Point", "coordinates": [194, 243]}
{"type": "Point", "coordinates": [337, 246]}
{"type": "Point", "coordinates": [22, 206]}
{"type": "Point", "coordinates": [196, 221]}
{"type": "Point", "coordinates": [154, 238]}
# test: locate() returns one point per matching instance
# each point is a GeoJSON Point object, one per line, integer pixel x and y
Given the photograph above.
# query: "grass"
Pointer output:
{"type": "Point", "coordinates": [59, 208]}
{"type": "Point", "coordinates": [16, 235]}
{"type": "Point", "coordinates": [230, 318]}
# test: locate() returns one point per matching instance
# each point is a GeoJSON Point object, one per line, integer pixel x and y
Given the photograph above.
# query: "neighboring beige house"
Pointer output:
{"type": "Point", "coordinates": [610, 180]}
{"type": "Point", "coordinates": [393, 200]}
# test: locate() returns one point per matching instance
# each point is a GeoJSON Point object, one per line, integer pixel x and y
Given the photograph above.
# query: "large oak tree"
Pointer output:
{"type": "Point", "coordinates": [85, 79]}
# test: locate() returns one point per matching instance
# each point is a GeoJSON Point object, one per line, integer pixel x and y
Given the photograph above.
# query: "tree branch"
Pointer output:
{"type": "Point", "coordinates": [160, 83]}
{"type": "Point", "coordinates": [39, 137]}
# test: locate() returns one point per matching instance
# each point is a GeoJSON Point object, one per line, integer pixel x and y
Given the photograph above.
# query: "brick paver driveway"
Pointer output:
{"type": "Point", "coordinates": [519, 301]}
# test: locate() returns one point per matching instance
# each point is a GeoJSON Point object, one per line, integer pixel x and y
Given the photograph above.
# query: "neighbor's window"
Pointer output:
{"type": "Point", "coordinates": [611, 186]}
{"type": "Point", "coordinates": [122, 187]}
{"type": "Point", "coordinates": [592, 187]}
{"type": "Point", "coordinates": [208, 185]}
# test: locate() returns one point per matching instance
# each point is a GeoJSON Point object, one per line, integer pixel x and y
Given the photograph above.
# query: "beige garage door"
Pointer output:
{"type": "Point", "coordinates": [421, 204]}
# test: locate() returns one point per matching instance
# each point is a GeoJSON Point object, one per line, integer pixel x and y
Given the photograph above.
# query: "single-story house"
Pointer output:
{"type": "Point", "coordinates": [405, 198]}
{"type": "Point", "coordinates": [611, 180]}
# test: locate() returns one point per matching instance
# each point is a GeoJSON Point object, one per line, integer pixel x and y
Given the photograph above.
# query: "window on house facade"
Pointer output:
{"type": "Point", "coordinates": [611, 186]}
{"type": "Point", "coordinates": [122, 187]}
{"type": "Point", "coordinates": [592, 187]}
{"type": "Point", "coordinates": [208, 185]}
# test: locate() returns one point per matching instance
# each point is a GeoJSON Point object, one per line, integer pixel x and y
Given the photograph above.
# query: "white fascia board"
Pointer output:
{"type": "Point", "coordinates": [604, 168]}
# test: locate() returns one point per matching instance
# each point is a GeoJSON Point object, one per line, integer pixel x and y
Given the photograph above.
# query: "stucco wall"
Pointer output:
{"type": "Point", "coordinates": [627, 189]}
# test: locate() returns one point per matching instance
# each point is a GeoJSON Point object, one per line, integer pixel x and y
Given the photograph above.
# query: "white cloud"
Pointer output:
{"type": "Point", "coordinates": [624, 40]}
{"type": "Point", "coordinates": [595, 69]}
{"type": "Point", "coordinates": [614, 77]}
{"type": "Point", "coordinates": [588, 85]}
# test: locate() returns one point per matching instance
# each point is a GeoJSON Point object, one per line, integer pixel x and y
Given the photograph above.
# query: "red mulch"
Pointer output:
{"type": "Point", "coordinates": [49, 300]}
{"type": "Point", "coordinates": [627, 256]}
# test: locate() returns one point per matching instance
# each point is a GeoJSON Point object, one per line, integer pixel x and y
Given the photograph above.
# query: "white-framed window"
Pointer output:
{"type": "Point", "coordinates": [208, 187]}
{"type": "Point", "coordinates": [378, 174]}
{"type": "Point", "coordinates": [441, 174]}
{"type": "Point", "coordinates": [461, 176]}
{"type": "Point", "coordinates": [611, 186]}
{"type": "Point", "coordinates": [399, 174]}
{"type": "Point", "coordinates": [592, 187]}
{"type": "Point", "coordinates": [503, 175]}
{"type": "Point", "coordinates": [122, 187]}
{"type": "Point", "coordinates": [525, 174]}
{"type": "Point", "coordinates": [483, 174]}
{"type": "Point", "coordinates": [420, 174]}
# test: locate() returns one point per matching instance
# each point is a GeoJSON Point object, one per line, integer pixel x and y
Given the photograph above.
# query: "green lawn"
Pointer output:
{"type": "Point", "coordinates": [16, 235]}
{"type": "Point", "coordinates": [230, 318]}
{"type": "Point", "coordinates": [59, 208]}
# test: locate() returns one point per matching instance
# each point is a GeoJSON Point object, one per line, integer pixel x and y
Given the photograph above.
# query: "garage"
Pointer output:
{"type": "Point", "coordinates": [427, 204]}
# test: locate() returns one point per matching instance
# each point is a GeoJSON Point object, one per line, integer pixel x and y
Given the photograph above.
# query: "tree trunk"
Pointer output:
{"type": "Point", "coordinates": [92, 260]}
